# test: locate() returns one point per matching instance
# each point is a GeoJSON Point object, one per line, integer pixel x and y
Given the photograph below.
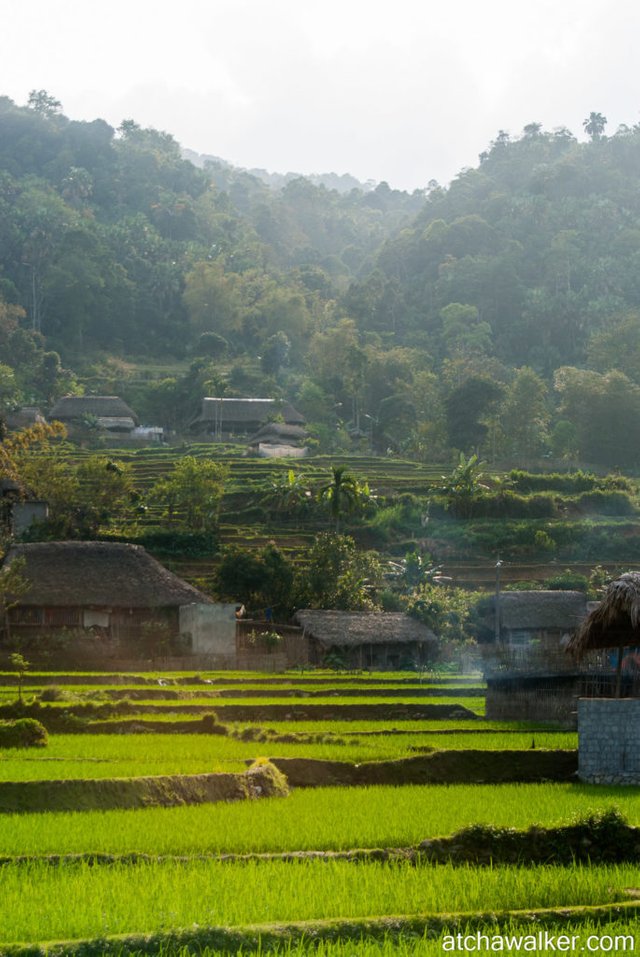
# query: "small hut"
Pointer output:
{"type": "Point", "coordinates": [609, 728]}
{"type": "Point", "coordinates": [361, 639]}
{"type": "Point", "coordinates": [109, 412]}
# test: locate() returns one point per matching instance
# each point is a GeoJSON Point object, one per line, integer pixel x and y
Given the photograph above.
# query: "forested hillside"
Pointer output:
{"type": "Point", "coordinates": [499, 315]}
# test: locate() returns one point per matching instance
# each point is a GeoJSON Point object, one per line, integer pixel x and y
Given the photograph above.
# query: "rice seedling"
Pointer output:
{"type": "Point", "coordinates": [317, 819]}
{"type": "Point", "coordinates": [148, 897]}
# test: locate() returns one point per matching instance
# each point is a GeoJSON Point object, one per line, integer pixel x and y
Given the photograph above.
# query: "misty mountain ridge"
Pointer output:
{"type": "Point", "coordinates": [340, 182]}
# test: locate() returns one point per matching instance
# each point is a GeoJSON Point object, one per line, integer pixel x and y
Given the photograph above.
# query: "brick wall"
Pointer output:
{"type": "Point", "coordinates": [609, 740]}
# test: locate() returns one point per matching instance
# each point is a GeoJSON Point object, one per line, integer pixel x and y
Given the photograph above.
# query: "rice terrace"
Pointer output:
{"type": "Point", "coordinates": [183, 832]}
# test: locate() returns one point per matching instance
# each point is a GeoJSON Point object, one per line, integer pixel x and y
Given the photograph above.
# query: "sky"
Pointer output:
{"type": "Point", "coordinates": [405, 91]}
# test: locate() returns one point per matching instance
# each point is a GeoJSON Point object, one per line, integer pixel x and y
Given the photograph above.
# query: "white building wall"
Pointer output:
{"type": "Point", "coordinates": [212, 628]}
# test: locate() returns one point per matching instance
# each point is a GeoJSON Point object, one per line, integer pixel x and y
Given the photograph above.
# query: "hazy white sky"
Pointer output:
{"type": "Point", "coordinates": [405, 91]}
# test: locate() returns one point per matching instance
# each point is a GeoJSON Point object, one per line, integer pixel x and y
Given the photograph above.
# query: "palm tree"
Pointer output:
{"type": "Point", "coordinates": [594, 125]}
{"type": "Point", "coordinates": [344, 493]}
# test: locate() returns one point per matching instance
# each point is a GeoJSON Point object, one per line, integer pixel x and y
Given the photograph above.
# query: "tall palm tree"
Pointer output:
{"type": "Point", "coordinates": [343, 493]}
{"type": "Point", "coordinates": [594, 125]}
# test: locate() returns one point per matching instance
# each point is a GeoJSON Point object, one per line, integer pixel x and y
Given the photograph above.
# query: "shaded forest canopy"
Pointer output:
{"type": "Point", "coordinates": [499, 315]}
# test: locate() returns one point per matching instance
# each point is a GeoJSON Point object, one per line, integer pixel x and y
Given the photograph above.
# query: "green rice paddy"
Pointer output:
{"type": "Point", "coordinates": [119, 899]}
{"type": "Point", "coordinates": [163, 893]}
{"type": "Point", "coordinates": [335, 818]}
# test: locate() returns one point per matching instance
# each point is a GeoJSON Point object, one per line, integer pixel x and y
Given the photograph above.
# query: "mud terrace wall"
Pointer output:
{"type": "Point", "coordinates": [609, 740]}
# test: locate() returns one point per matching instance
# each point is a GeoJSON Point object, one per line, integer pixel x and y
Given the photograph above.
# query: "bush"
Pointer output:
{"type": "Point", "coordinates": [53, 693]}
{"type": "Point", "coordinates": [605, 502]}
{"type": "Point", "coordinates": [23, 733]}
{"type": "Point", "coordinates": [567, 581]}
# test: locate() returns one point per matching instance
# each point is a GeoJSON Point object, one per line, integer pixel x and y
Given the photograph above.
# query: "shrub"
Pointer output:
{"type": "Point", "coordinates": [567, 581]}
{"type": "Point", "coordinates": [53, 693]}
{"type": "Point", "coordinates": [605, 502]}
{"type": "Point", "coordinates": [23, 733]}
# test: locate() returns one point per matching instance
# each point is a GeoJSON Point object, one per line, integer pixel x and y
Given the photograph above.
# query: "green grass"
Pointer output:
{"type": "Point", "coordinates": [35, 899]}
{"type": "Point", "coordinates": [317, 819]}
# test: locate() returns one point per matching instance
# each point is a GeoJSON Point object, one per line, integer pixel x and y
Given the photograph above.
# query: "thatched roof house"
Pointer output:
{"type": "Point", "coordinates": [107, 585]}
{"type": "Point", "coordinates": [367, 639]}
{"type": "Point", "coordinates": [528, 615]}
{"type": "Point", "coordinates": [615, 623]}
{"type": "Point", "coordinates": [112, 412]}
{"type": "Point", "coordinates": [219, 416]}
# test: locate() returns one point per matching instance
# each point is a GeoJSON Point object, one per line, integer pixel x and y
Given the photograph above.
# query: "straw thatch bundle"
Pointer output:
{"type": "Point", "coordinates": [615, 623]}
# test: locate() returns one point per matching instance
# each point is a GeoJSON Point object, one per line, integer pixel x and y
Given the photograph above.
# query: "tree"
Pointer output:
{"type": "Point", "coordinates": [462, 331]}
{"type": "Point", "coordinates": [192, 493]}
{"type": "Point", "coordinates": [43, 103]}
{"type": "Point", "coordinates": [335, 574]}
{"type": "Point", "coordinates": [275, 353]}
{"type": "Point", "coordinates": [467, 406]}
{"type": "Point", "coordinates": [343, 494]}
{"type": "Point", "coordinates": [19, 447]}
{"type": "Point", "coordinates": [525, 416]}
{"type": "Point", "coordinates": [594, 125]}
{"type": "Point", "coordinates": [605, 413]}
{"type": "Point", "coordinates": [258, 578]}
{"type": "Point", "coordinates": [443, 609]}
{"type": "Point", "coordinates": [290, 493]}
{"type": "Point", "coordinates": [463, 486]}
{"type": "Point", "coordinates": [20, 664]}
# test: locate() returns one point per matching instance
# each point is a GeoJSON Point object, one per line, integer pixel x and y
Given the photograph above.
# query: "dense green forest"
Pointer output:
{"type": "Point", "coordinates": [499, 315]}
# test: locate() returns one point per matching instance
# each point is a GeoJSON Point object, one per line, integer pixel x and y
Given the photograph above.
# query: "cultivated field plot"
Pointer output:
{"type": "Point", "coordinates": [284, 874]}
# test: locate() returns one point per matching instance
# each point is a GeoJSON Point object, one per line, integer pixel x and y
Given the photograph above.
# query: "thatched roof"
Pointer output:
{"type": "Point", "coordinates": [103, 406]}
{"type": "Point", "coordinates": [99, 574]}
{"type": "Point", "coordinates": [615, 623]}
{"type": "Point", "coordinates": [342, 629]}
{"type": "Point", "coordinates": [541, 610]}
{"type": "Point", "coordinates": [228, 413]}
{"type": "Point", "coordinates": [278, 433]}
{"type": "Point", "coordinates": [24, 417]}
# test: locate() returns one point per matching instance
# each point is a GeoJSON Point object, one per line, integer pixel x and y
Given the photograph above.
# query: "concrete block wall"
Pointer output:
{"type": "Point", "coordinates": [609, 740]}
{"type": "Point", "coordinates": [212, 628]}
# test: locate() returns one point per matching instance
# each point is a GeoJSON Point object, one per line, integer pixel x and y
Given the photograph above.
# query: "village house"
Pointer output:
{"type": "Point", "coordinates": [222, 418]}
{"type": "Point", "coordinates": [362, 639]}
{"type": "Point", "coordinates": [530, 623]}
{"type": "Point", "coordinates": [279, 440]}
{"type": "Point", "coordinates": [530, 676]}
{"type": "Point", "coordinates": [108, 412]}
{"type": "Point", "coordinates": [117, 596]}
